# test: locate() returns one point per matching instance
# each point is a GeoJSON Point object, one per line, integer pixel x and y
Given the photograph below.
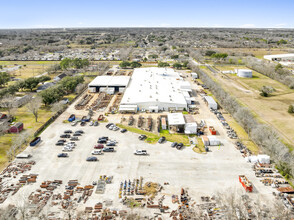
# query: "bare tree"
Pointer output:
{"type": "Point", "coordinates": [34, 105]}
{"type": "Point", "coordinates": [57, 106]}
{"type": "Point", "coordinates": [8, 102]}
{"type": "Point", "coordinates": [80, 87]}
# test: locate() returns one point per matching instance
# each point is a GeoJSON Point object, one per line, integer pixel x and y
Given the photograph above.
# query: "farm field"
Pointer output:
{"type": "Point", "coordinates": [272, 110]}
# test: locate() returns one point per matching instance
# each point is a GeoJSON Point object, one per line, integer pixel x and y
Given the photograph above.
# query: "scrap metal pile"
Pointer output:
{"type": "Point", "coordinates": [83, 102]}
{"type": "Point", "coordinates": [8, 184]}
{"type": "Point", "coordinates": [101, 102]}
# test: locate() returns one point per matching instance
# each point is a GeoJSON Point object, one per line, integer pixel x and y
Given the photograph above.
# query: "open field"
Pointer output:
{"type": "Point", "coordinates": [28, 68]}
{"type": "Point", "coordinates": [272, 110]}
{"type": "Point", "coordinates": [257, 52]}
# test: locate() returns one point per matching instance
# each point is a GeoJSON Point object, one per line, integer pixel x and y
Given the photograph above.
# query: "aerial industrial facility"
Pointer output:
{"type": "Point", "coordinates": [156, 89]}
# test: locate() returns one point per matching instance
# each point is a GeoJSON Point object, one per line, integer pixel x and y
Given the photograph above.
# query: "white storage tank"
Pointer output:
{"type": "Point", "coordinates": [244, 73]}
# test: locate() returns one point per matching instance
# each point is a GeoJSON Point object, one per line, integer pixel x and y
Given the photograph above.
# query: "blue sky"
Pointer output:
{"type": "Point", "coordinates": [148, 13]}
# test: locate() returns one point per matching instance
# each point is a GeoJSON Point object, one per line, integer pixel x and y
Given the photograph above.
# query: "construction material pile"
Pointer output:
{"type": "Point", "coordinates": [83, 102]}
{"type": "Point", "coordinates": [8, 184]}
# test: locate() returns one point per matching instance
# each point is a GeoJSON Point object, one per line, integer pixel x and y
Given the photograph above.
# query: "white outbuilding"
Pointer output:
{"type": "Point", "coordinates": [176, 122]}
{"type": "Point", "coordinates": [210, 102]}
{"type": "Point", "coordinates": [194, 75]}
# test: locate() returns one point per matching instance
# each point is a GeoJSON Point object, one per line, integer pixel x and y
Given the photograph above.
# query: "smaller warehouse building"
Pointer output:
{"type": "Point", "coordinates": [210, 102]}
{"type": "Point", "coordinates": [118, 83]}
{"type": "Point", "coordinates": [176, 122]}
{"type": "Point", "coordinates": [191, 125]}
{"type": "Point", "coordinates": [244, 73]}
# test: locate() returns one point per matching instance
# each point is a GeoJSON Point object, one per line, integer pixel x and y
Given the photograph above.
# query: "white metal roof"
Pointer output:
{"type": "Point", "coordinates": [279, 56]}
{"type": "Point", "coordinates": [209, 99]}
{"type": "Point", "coordinates": [176, 119]}
{"type": "Point", "coordinates": [154, 85]}
{"type": "Point", "coordinates": [110, 81]}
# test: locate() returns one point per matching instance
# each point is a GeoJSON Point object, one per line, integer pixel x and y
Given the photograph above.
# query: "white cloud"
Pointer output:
{"type": "Point", "coordinates": [248, 26]}
{"type": "Point", "coordinates": [282, 25]}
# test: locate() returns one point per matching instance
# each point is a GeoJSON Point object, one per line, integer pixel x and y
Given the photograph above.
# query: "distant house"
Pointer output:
{"type": "Point", "coordinates": [59, 77]}
{"type": "Point", "coordinates": [44, 86]}
{"type": "Point", "coordinates": [16, 128]}
{"type": "Point", "coordinates": [17, 101]}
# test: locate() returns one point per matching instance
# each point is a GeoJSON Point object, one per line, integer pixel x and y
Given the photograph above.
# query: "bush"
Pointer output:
{"type": "Point", "coordinates": [163, 64]}
{"type": "Point", "coordinates": [291, 109]}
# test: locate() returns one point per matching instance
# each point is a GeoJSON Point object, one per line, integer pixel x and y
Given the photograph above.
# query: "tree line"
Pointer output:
{"type": "Point", "coordinates": [264, 136]}
{"type": "Point", "coordinates": [276, 72]}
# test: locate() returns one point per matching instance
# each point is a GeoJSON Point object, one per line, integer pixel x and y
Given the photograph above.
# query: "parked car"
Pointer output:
{"type": "Point", "coordinates": [83, 123]}
{"type": "Point", "coordinates": [96, 123]}
{"type": "Point", "coordinates": [77, 134]}
{"type": "Point", "coordinates": [74, 123]}
{"type": "Point", "coordinates": [96, 152]}
{"type": "Point", "coordinates": [91, 159]}
{"type": "Point", "coordinates": [68, 131]}
{"type": "Point", "coordinates": [123, 130]}
{"type": "Point", "coordinates": [179, 146]}
{"type": "Point", "coordinates": [108, 125]}
{"type": "Point", "coordinates": [59, 144]}
{"type": "Point", "coordinates": [108, 149]}
{"type": "Point", "coordinates": [174, 144]}
{"type": "Point", "coordinates": [67, 149]}
{"type": "Point", "coordinates": [111, 127]}
{"type": "Point", "coordinates": [62, 155]}
{"type": "Point", "coordinates": [74, 139]}
{"type": "Point", "coordinates": [140, 152]}
{"type": "Point", "coordinates": [91, 123]}
{"type": "Point", "coordinates": [161, 140]}
{"type": "Point", "coordinates": [80, 131]}
{"type": "Point", "coordinates": [99, 146]}
{"type": "Point", "coordinates": [115, 128]}
{"type": "Point", "coordinates": [65, 136]}
{"type": "Point", "coordinates": [110, 143]}
{"type": "Point", "coordinates": [142, 137]}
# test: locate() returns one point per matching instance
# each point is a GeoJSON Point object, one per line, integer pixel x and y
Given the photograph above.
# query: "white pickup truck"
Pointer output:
{"type": "Point", "coordinates": [140, 152]}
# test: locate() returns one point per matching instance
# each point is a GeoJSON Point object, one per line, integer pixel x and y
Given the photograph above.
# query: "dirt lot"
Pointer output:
{"type": "Point", "coordinates": [201, 174]}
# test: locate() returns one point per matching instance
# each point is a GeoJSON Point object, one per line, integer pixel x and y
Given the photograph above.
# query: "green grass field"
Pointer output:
{"type": "Point", "coordinates": [153, 138]}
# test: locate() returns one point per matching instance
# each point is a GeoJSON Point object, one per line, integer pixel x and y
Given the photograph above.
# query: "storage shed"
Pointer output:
{"type": "Point", "coordinates": [194, 75]}
{"type": "Point", "coordinates": [16, 128]}
{"type": "Point", "coordinates": [163, 123]}
{"type": "Point", "coordinates": [210, 102]}
{"type": "Point", "coordinates": [128, 108]}
{"type": "Point", "coordinates": [213, 140]}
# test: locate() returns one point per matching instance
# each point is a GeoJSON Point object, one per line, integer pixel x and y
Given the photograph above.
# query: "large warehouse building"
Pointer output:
{"type": "Point", "coordinates": [109, 83]}
{"type": "Point", "coordinates": [156, 89]}
{"type": "Point", "coordinates": [285, 59]}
